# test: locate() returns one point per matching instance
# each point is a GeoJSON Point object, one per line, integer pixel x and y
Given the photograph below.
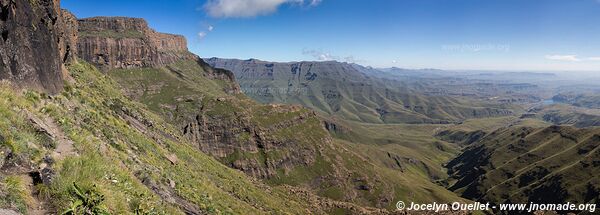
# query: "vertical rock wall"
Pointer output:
{"type": "Point", "coordinates": [121, 42]}
{"type": "Point", "coordinates": [31, 34]}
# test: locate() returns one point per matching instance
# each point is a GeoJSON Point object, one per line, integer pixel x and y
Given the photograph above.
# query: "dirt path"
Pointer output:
{"type": "Point", "coordinates": [64, 146]}
{"type": "Point", "coordinates": [36, 207]}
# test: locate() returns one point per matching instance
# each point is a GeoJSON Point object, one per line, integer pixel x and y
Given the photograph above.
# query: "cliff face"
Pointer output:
{"type": "Point", "coordinates": [242, 144]}
{"type": "Point", "coordinates": [120, 42]}
{"type": "Point", "coordinates": [31, 43]}
{"type": "Point", "coordinates": [68, 45]}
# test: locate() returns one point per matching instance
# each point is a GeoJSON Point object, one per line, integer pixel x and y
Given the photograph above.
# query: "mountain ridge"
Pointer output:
{"type": "Point", "coordinates": [339, 89]}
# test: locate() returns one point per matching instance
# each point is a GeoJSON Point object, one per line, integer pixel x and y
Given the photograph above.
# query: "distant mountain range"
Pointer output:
{"type": "Point", "coordinates": [353, 92]}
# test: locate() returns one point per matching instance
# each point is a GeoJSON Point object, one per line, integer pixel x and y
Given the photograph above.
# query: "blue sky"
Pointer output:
{"type": "Point", "coordinates": [446, 34]}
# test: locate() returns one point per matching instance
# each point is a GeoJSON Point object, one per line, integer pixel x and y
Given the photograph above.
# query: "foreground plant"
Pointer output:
{"type": "Point", "coordinates": [86, 203]}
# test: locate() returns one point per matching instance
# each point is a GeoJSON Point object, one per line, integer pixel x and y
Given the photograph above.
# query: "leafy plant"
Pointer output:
{"type": "Point", "coordinates": [141, 206]}
{"type": "Point", "coordinates": [86, 203]}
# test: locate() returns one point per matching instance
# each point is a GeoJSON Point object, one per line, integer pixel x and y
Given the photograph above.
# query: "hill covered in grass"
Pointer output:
{"type": "Point", "coordinates": [280, 144]}
{"type": "Point", "coordinates": [587, 100]}
{"type": "Point", "coordinates": [87, 148]}
{"type": "Point", "coordinates": [92, 137]}
{"type": "Point", "coordinates": [565, 114]}
{"type": "Point", "coordinates": [553, 164]}
{"type": "Point", "coordinates": [283, 145]}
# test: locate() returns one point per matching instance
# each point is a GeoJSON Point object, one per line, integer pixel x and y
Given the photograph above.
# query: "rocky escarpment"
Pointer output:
{"type": "Point", "coordinates": [256, 150]}
{"type": "Point", "coordinates": [122, 42]}
{"type": "Point", "coordinates": [33, 41]}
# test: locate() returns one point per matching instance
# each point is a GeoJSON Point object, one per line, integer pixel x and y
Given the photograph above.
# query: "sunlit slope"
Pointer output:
{"type": "Point", "coordinates": [553, 164]}
{"type": "Point", "coordinates": [281, 144]}
{"type": "Point", "coordinates": [408, 152]}
{"type": "Point", "coordinates": [94, 137]}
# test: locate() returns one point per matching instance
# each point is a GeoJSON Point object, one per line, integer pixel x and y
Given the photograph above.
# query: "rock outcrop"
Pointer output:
{"type": "Point", "coordinates": [121, 42]}
{"type": "Point", "coordinates": [30, 44]}
{"type": "Point", "coordinates": [241, 144]}
{"type": "Point", "coordinates": [68, 45]}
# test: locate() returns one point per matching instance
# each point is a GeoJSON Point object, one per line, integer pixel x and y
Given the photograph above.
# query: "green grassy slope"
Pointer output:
{"type": "Point", "coordinates": [405, 153]}
{"type": "Point", "coordinates": [553, 164]}
{"type": "Point", "coordinates": [588, 100]}
{"type": "Point", "coordinates": [120, 150]}
{"type": "Point", "coordinates": [331, 168]}
{"type": "Point", "coordinates": [472, 130]}
{"type": "Point", "coordinates": [565, 114]}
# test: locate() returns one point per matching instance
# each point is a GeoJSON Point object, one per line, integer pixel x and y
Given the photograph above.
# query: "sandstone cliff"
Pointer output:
{"type": "Point", "coordinates": [121, 42]}
{"type": "Point", "coordinates": [31, 44]}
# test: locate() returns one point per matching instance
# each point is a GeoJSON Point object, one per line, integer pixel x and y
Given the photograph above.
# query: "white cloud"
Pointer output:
{"type": "Point", "coordinates": [317, 2]}
{"type": "Point", "coordinates": [571, 58]}
{"type": "Point", "coordinates": [202, 34]}
{"type": "Point", "coordinates": [249, 8]}
{"type": "Point", "coordinates": [352, 59]}
{"type": "Point", "coordinates": [319, 55]}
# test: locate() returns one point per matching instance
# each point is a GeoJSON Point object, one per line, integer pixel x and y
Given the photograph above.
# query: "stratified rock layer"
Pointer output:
{"type": "Point", "coordinates": [121, 42]}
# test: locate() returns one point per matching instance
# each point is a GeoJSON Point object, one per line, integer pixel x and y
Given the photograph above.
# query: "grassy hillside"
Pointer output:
{"type": "Point", "coordinates": [588, 100]}
{"type": "Point", "coordinates": [472, 130]}
{"type": "Point", "coordinates": [553, 164]}
{"type": "Point", "coordinates": [564, 114]}
{"type": "Point", "coordinates": [94, 138]}
{"type": "Point", "coordinates": [283, 145]}
{"type": "Point", "coordinates": [409, 153]}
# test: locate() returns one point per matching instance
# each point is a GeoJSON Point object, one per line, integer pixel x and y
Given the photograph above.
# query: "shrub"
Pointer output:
{"type": "Point", "coordinates": [86, 203]}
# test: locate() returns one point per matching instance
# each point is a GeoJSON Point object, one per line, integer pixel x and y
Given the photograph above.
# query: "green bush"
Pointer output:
{"type": "Point", "coordinates": [86, 202]}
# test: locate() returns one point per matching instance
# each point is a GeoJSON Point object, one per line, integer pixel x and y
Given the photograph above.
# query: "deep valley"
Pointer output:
{"type": "Point", "coordinates": [105, 115]}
